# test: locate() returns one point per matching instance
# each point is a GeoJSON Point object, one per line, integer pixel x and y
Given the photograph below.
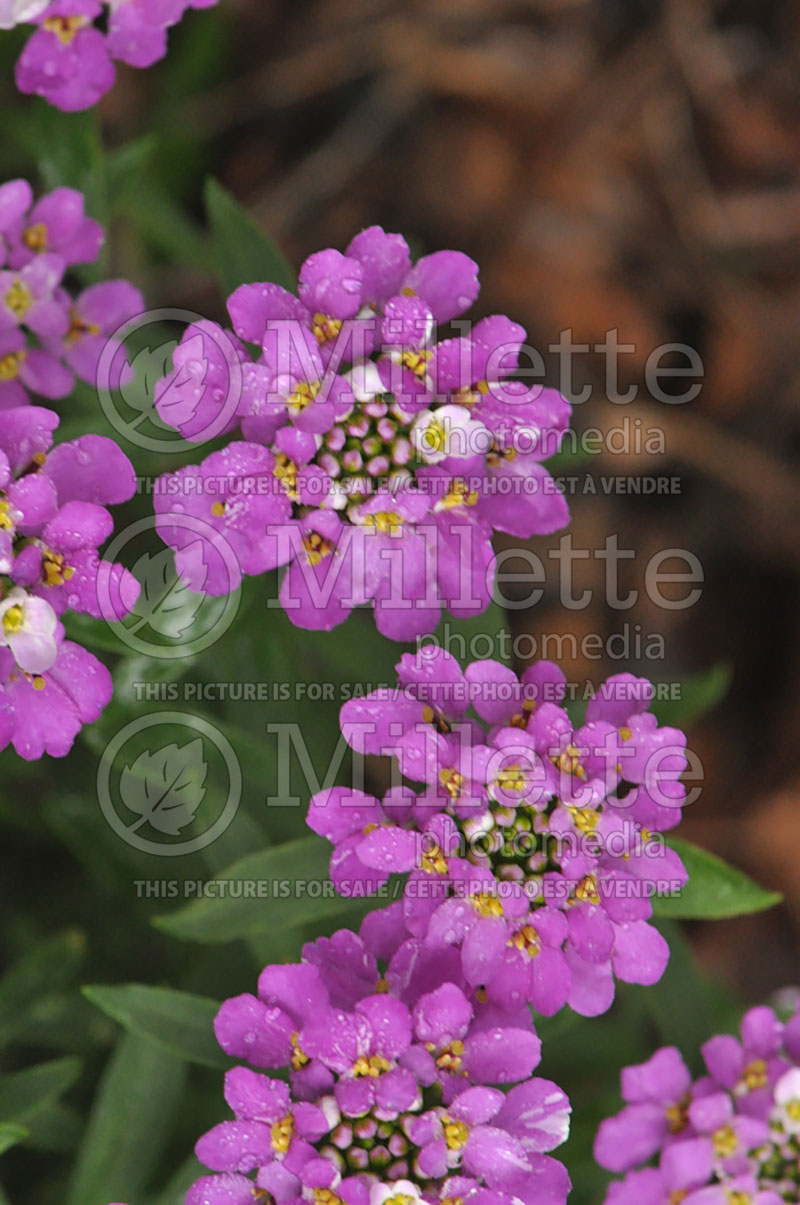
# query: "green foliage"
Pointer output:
{"type": "Point", "coordinates": [244, 252]}
{"type": "Point", "coordinates": [181, 1023]}
{"type": "Point", "coordinates": [715, 890]}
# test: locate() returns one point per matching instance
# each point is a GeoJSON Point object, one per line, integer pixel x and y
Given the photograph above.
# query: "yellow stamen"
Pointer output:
{"type": "Point", "coordinates": [19, 299]}
{"type": "Point", "coordinates": [433, 861]}
{"type": "Point", "coordinates": [586, 819]}
{"type": "Point", "coordinates": [78, 327]}
{"type": "Point", "coordinates": [13, 620]}
{"type": "Point", "coordinates": [452, 782]}
{"type": "Point", "coordinates": [450, 1058]}
{"type": "Point", "coordinates": [281, 1134]}
{"type": "Point", "coordinates": [388, 522]}
{"type": "Point", "coordinates": [299, 1057]}
{"type": "Point", "coordinates": [324, 328]}
{"type": "Point", "coordinates": [755, 1075]}
{"type": "Point", "coordinates": [303, 394]}
{"type": "Point", "coordinates": [457, 495]}
{"type": "Point", "coordinates": [486, 904]}
{"type": "Point", "coordinates": [35, 237]}
{"type": "Point", "coordinates": [416, 362]}
{"type": "Point", "coordinates": [65, 28]}
{"type": "Point", "coordinates": [6, 522]}
{"type": "Point", "coordinates": [316, 548]}
{"type": "Point", "coordinates": [527, 941]}
{"type": "Point", "coordinates": [456, 1134]}
{"type": "Point", "coordinates": [725, 1142]}
{"type": "Point", "coordinates": [371, 1066]}
{"type": "Point", "coordinates": [10, 365]}
{"type": "Point", "coordinates": [54, 570]}
{"type": "Point", "coordinates": [286, 472]}
{"type": "Point", "coordinates": [218, 510]}
{"type": "Point", "coordinates": [586, 892]}
{"type": "Point", "coordinates": [568, 762]}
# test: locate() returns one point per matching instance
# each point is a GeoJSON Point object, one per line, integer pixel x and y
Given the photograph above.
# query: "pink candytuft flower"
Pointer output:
{"type": "Point", "coordinates": [375, 462]}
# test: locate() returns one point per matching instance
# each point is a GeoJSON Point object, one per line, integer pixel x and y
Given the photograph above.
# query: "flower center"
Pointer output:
{"type": "Point", "coordinates": [371, 1065]}
{"type": "Point", "coordinates": [586, 819]}
{"type": "Point", "coordinates": [54, 570]}
{"type": "Point", "coordinates": [452, 782]}
{"type": "Point", "coordinates": [299, 1057]}
{"type": "Point", "coordinates": [416, 362]}
{"type": "Point", "coordinates": [449, 1059]}
{"type": "Point", "coordinates": [78, 327]}
{"type": "Point", "coordinates": [458, 495]}
{"type": "Point", "coordinates": [19, 299]}
{"type": "Point", "coordinates": [678, 1117]}
{"type": "Point", "coordinates": [303, 394]}
{"type": "Point", "coordinates": [433, 861]}
{"type": "Point", "coordinates": [35, 237]}
{"type": "Point", "coordinates": [13, 620]}
{"type": "Point", "coordinates": [586, 892]}
{"type": "Point", "coordinates": [325, 329]}
{"type": "Point", "coordinates": [456, 1134]}
{"type": "Point", "coordinates": [281, 1134]}
{"type": "Point", "coordinates": [487, 904]}
{"type": "Point", "coordinates": [286, 472]}
{"type": "Point", "coordinates": [316, 548]}
{"type": "Point", "coordinates": [387, 522]}
{"type": "Point", "coordinates": [65, 28]}
{"type": "Point", "coordinates": [6, 521]}
{"type": "Point", "coordinates": [527, 941]}
{"type": "Point", "coordinates": [755, 1075]}
{"type": "Point", "coordinates": [10, 365]}
{"type": "Point", "coordinates": [568, 761]}
{"type": "Point", "coordinates": [725, 1142]}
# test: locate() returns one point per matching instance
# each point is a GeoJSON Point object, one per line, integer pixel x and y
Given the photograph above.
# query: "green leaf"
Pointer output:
{"type": "Point", "coordinates": [179, 1022]}
{"type": "Point", "coordinates": [10, 1135]}
{"type": "Point", "coordinates": [290, 887]}
{"type": "Point", "coordinates": [24, 1094]}
{"type": "Point", "coordinates": [244, 252]}
{"type": "Point", "coordinates": [715, 890]}
{"type": "Point", "coordinates": [50, 964]}
{"type": "Point", "coordinates": [699, 694]}
{"type": "Point", "coordinates": [138, 1098]}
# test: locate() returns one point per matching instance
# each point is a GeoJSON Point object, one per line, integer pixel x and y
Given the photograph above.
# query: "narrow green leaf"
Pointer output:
{"type": "Point", "coordinates": [50, 964]}
{"type": "Point", "coordinates": [24, 1094]}
{"type": "Point", "coordinates": [283, 886]}
{"type": "Point", "coordinates": [10, 1135]}
{"type": "Point", "coordinates": [244, 252]}
{"type": "Point", "coordinates": [715, 890]}
{"type": "Point", "coordinates": [699, 694]}
{"type": "Point", "coordinates": [179, 1022]}
{"type": "Point", "coordinates": [134, 1108]}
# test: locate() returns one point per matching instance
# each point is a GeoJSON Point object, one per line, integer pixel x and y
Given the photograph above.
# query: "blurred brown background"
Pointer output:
{"type": "Point", "coordinates": [627, 164]}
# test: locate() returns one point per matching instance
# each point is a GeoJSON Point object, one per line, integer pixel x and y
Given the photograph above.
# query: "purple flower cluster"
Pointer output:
{"type": "Point", "coordinates": [375, 462]}
{"type": "Point", "coordinates": [53, 520]}
{"type": "Point", "coordinates": [48, 336]}
{"type": "Point", "coordinates": [70, 58]}
{"type": "Point", "coordinates": [731, 1137]}
{"type": "Point", "coordinates": [533, 847]}
{"type": "Point", "coordinates": [390, 1090]}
